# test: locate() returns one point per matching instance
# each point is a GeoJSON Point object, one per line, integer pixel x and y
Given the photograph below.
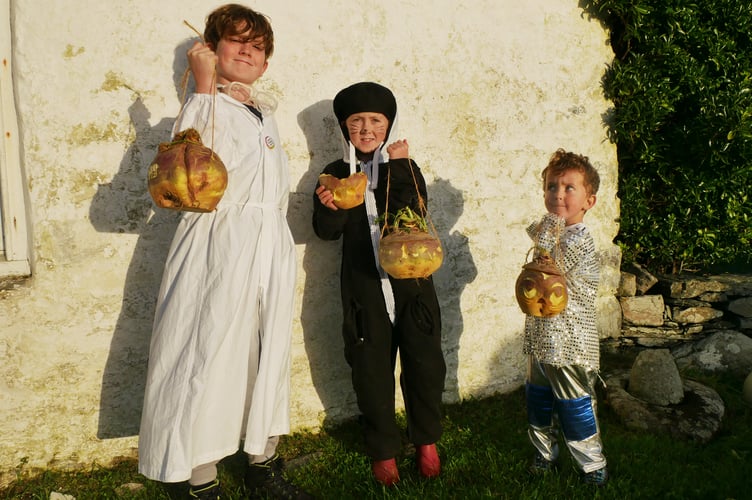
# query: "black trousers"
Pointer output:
{"type": "Point", "coordinates": [372, 344]}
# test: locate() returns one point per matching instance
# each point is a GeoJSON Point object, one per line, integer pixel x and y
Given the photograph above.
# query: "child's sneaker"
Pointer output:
{"type": "Point", "coordinates": [265, 480]}
{"type": "Point", "coordinates": [209, 491]}
{"type": "Point", "coordinates": [597, 477]}
{"type": "Point", "coordinates": [540, 465]}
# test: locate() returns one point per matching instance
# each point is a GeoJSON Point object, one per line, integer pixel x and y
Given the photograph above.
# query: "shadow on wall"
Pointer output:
{"type": "Point", "coordinates": [321, 310]}
{"type": "Point", "coordinates": [445, 206]}
{"type": "Point", "coordinates": [125, 206]}
{"type": "Point", "coordinates": [321, 315]}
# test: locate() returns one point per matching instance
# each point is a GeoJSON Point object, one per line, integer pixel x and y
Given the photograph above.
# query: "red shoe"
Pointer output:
{"type": "Point", "coordinates": [429, 464]}
{"type": "Point", "coordinates": [385, 471]}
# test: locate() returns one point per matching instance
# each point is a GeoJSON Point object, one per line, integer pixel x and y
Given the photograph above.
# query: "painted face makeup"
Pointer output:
{"type": "Point", "coordinates": [367, 130]}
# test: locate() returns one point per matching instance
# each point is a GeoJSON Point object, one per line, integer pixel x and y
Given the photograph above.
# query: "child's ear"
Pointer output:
{"type": "Point", "coordinates": [590, 202]}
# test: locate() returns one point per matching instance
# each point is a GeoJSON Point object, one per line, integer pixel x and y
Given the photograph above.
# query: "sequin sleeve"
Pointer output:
{"type": "Point", "coordinates": [546, 235]}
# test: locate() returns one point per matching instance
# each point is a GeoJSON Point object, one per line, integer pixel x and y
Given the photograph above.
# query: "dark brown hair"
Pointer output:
{"type": "Point", "coordinates": [233, 19]}
{"type": "Point", "coordinates": [562, 161]}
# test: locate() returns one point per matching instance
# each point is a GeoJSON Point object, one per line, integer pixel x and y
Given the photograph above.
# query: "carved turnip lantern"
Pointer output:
{"type": "Point", "coordinates": [186, 175]}
{"type": "Point", "coordinates": [347, 192]}
{"type": "Point", "coordinates": [541, 289]}
{"type": "Point", "coordinates": [409, 250]}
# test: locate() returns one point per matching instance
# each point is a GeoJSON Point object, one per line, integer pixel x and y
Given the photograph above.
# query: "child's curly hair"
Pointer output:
{"type": "Point", "coordinates": [232, 20]}
{"type": "Point", "coordinates": [562, 161]}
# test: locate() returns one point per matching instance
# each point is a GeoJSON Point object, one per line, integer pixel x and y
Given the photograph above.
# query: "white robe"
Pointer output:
{"type": "Point", "coordinates": [224, 310]}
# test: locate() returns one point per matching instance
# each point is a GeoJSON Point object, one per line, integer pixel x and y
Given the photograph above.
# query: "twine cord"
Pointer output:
{"type": "Point", "coordinates": [184, 89]}
{"type": "Point", "coordinates": [421, 202]}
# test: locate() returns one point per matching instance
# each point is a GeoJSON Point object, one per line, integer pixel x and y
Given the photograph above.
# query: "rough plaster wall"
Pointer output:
{"type": "Point", "coordinates": [486, 93]}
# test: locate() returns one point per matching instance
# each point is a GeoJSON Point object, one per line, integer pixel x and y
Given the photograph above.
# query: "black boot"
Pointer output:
{"type": "Point", "coordinates": [210, 491]}
{"type": "Point", "coordinates": [265, 480]}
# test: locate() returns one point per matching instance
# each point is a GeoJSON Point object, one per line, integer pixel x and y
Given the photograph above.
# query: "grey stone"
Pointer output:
{"type": "Point", "coordinates": [652, 331]}
{"type": "Point", "coordinates": [697, 418]}
{"type": "Point", "coordinates": [654, 342]}
{"type": "Point", "coordinates": [627, 285]}
{"type": "Point", "coordinates": [685, 303]}
{"type": "Point", "coordinates": [687, 288]}
{"type": "Point", "coordinates": [662, 336]}
{"type": "Point", "coordinates": [725, 350]}
{"type": "Point", "coordinates": [693, 330]}
{"type": "Point", "coordinates": [696, 314]}
{"type": "Point", "coordinates": [610, 259]}
{"type": "Point", "coordinates": [736, 284]}
{"type": "Point", "coordinates": [741, 307]}
{"type": "Point", "coordinates": [713, 297]}
{"type": "Point", "coordinates": [655, 379]}
{"type": "Point", "coordinates": [644, 310]}
{"type": "Point", "coordinates": [608, 321]}
{"type": "Point", "coordinates": [644, 280]}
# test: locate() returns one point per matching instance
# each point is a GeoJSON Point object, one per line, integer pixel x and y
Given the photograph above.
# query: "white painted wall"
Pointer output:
{"type": "Point", "coordinates": [487, 90]}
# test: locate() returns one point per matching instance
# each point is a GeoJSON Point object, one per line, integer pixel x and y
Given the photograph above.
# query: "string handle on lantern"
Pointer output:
{"type": "Point", "coordinates": [421, 202]}
{"type": "Point", "coordinates": [184, 88]}
{"type": "Point", "coordinates": [527, 255]}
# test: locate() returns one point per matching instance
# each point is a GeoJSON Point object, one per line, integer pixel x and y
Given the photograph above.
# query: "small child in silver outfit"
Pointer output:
{"type": "Point", "coordinates": [563, 350]}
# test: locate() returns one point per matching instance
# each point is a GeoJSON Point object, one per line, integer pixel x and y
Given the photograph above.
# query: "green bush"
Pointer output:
{"type": "Point", "coordinates": [681, 85]}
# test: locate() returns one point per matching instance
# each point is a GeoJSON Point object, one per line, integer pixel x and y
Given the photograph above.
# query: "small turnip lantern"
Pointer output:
{"type": "Point", "coordinates": [347, 192]}
{"type": "Point", "coordinates": [541, 289]}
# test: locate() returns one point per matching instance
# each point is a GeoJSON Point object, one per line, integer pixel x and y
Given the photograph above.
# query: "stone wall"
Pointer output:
{"type": "Point", "coordinates": [487, 91]}
{"type": "Point", "coordinates": [663, 311]}
{"type": "Point", "coordinates": [678, 325]}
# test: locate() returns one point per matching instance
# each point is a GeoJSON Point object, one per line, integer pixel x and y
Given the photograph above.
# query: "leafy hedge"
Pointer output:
{"type": "Point", "coordinates": [681, 84]}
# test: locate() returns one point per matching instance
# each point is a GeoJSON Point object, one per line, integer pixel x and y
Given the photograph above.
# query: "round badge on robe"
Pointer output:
{"type": "Point", "coordinates": [269, 142]}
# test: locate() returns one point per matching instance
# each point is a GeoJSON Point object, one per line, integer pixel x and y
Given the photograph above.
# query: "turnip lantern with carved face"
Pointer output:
{"type": "Point", "coordinates": [409, 250]}
{"type": "Point", "coordinates": [541, 289]}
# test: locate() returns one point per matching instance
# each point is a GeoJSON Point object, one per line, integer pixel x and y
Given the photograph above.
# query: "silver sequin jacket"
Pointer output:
{"type": "Point", "coordinates": [571, 337]}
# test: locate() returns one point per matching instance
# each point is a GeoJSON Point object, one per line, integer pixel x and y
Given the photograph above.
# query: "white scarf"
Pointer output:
{"type": "Point", "coordinates": [371, 169]}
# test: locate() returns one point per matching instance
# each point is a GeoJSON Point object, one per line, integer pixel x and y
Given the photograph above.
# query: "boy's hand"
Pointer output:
{"type": "Point", "coordinates": [203, 63]}
{"type": "Point", "coordinates": [398, 149]}
{"type": "Point", "coordinates": [326, 197]}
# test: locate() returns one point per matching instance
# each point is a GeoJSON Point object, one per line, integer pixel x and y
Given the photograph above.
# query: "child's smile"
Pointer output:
{"type": "Point", "coordinates": [367, 130]}
{"type": "Point", "coordinates": [240, 59]}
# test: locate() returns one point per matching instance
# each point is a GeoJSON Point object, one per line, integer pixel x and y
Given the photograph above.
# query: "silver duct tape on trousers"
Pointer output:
{"type": "Point", "coordinates": [564, 397]}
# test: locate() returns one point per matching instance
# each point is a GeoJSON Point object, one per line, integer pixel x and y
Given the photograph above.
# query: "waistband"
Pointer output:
{"type": "Point", "coordinates": [253, 204]}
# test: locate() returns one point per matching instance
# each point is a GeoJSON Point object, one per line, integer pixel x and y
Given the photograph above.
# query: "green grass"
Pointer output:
{"type": "Point", "coordinates": [485, 453]}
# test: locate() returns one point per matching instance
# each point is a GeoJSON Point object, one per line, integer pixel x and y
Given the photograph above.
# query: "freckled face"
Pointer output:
{"type": "Point", "coordinates": [240, 58]}
{"type": "Point", "coordinates": [367, 130]}
{"type": "Point", "coordinates": [567, 196]}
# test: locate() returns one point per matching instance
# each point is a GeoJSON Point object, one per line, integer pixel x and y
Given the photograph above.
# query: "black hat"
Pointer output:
{"type": "Point", "coordinates": [364, 97]}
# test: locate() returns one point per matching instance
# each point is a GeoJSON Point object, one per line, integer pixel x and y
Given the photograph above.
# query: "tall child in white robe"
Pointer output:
{"type": "Point", "coordinates": [219, 366]}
